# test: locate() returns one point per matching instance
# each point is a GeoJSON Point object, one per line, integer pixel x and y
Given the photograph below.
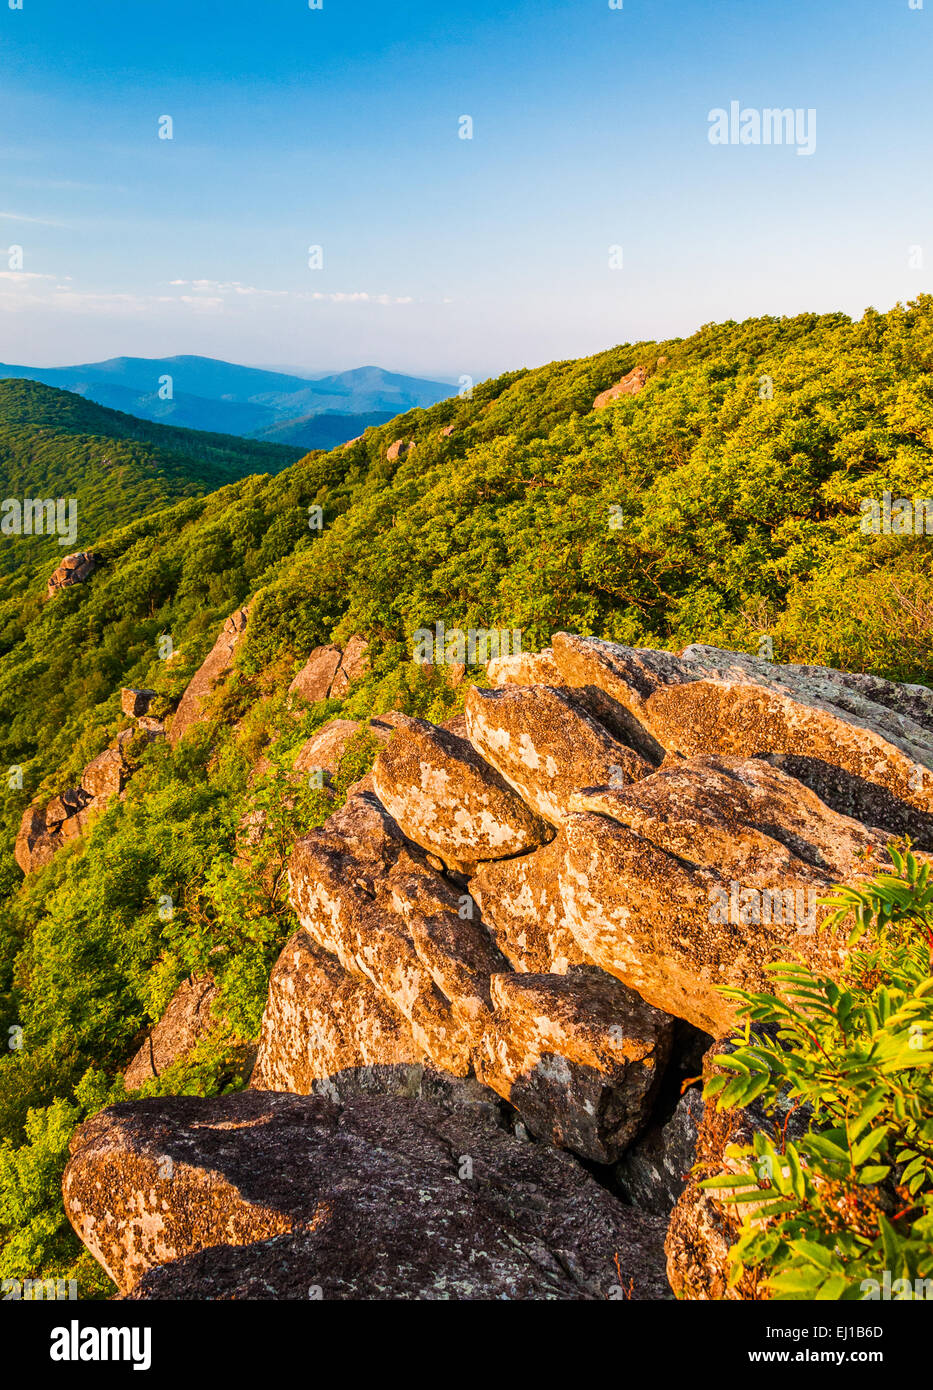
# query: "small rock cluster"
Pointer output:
{"type": "Point", "coordinates": [74, 569]}
{"type": "Point", "coordinates": [45, 829]}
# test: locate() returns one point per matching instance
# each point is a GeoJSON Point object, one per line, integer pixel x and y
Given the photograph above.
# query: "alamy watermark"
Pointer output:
{"type": "Point", "coordinates": [787, 907]}
{"type": "Point", "coordinates": [900, 1290]}
{"type": "Point", "coordinates": [40, 516]}
{"type": "Point", "coordinates": [772, 125]}
{"type": "Point", "coordinates": [476, 646]}
{"type": "Point", "coordinates": [897, 516]}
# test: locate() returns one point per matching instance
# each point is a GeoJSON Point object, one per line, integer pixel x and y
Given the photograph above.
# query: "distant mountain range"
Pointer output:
{"type": "Point", "coordinates": [203, 393]}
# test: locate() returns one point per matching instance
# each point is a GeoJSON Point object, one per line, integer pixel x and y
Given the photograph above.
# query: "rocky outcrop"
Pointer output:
{"type": "Point", "coordinates": [395, 966]}
{"type": "Point", "coordinates": [860, 752]}
{"type": "Point", "coordinates": [187, 1019]}
{"type": "Point", "coordinates": [45, 829]}
{"type": "Point", "coordinates": [546, 746]}
{"type": "Point", "coordinates": [215, 666]}
{"type": "Point", "coordinates": [522, 921]}
{"type": "Point", "coordinates": [450, 801]}
{"type": "Point", "coordinates": [74, 569]}
{"type": "Point", "coordinates": [400, 448]}
{"type": "Point", "coordinates": [630, 385]}
{"type": "Point", "coordinates": [270, 1195]}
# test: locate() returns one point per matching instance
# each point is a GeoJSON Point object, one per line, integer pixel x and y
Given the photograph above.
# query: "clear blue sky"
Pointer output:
{"type": "Point", "coordinates": [339, 127]}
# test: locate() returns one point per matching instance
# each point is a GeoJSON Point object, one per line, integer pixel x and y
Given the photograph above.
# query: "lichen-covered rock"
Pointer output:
{"type": "Point", "coordinates": [215, 665]}
{"type": "Point", "coordinates": [546, 746]}
{"type": "Point", "coordinates": [863, 759]}
{"type": "Point", "coordinates": [616, 682]}
{"type": "Point", "coordinates": [855, 741]}
{"type": "Point", "coordinates": [327, 1032]}
{"type": "Point", "coordinates": [914, 701]}
{"type": "Point", "coordinates": [449, 800]}
{"type": "Point", "coordinates": [702, 874]}
{"type": "Point", "coordinates": [136, 702]}
{"type": "Point", "coordinates": [354, 664]}
{"type": "Point", "coordinates": [106, 775]}
{"type": "Point", "coordinates": [270, 1195]}
{"type": "Point", "coordinates": [580, 1057]}
{"type": "Point", "coordinates": [320, 1020]}
{"type": "Point", "coordinates": [524, 668]}
{"type": "Point", "coordinates": [521, 904]}
{"type": "Point", "coordinates": [368, 896]}
{"type": "Point", "coordinates": [186, 1020]}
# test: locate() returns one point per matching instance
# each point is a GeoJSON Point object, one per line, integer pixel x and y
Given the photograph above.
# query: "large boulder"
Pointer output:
{"type": "Point", "coordinates": [321, 1021]}
{"type": "Point", "coordinates": [449, 800]}
{"type": "Point", "coordinates": [701, 875]}
{"type": "Point", "coordinates": [314, 680]}
{"type": "Point", "coordinates": [106, 775]}
{"type": "Point", "coordinates": [44, 830]}
{"type": "Point", "coordinates": [34, 846]}
{"type": "Point", "coordinates": [858, 743]}
{"type": "Point", "coordinates": [580, 1057]}
{"type": "Point", "coordinates": [216, 664]}
{"type": "Point", "coordinates": [187, 1019]}
{"type": "Point", "coordinates": [324, 749]}
{"type": "Point", "coordinates": [327, 1032]}
{"type": "Point", "coordinates": [278, 1196]}
{"type": "Point", "coordinates": [368, 895]}
{"type": "Point", "coordinates": [136, 702]}
{"type": "Point", "coordinates": [354, 663]}
{"type": "Point", "coordinates": [546, 746]}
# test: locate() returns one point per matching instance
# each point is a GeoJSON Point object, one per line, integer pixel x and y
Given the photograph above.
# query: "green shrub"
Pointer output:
{"type": "Point", "coordinates": [847, 1210]}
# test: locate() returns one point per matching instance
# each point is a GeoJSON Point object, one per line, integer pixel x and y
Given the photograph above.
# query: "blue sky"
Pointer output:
{"type": "Point", "coordinates": [339, 127]}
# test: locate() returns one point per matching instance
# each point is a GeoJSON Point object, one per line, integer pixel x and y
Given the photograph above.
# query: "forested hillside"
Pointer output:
{"type": "Point", "coordinates": [54, 444]}
{"type": "Point", "coordinates": [721, 504]}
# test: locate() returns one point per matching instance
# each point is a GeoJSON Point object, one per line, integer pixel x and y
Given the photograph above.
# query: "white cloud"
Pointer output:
{"type": "Point", "coordinates": [39, 221]}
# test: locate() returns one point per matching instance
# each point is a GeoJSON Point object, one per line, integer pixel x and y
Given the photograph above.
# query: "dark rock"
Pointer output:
{"type": "Point", "coordinates": [265, 1195]}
